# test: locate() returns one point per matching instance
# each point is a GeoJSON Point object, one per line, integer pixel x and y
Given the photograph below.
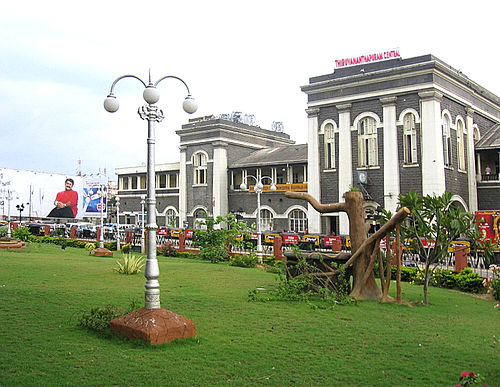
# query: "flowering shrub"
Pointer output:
{"type": "Point", "coordinates": [468, 378]}
{"type": "Point", "coordinates": [168, 249]}
{"type": "Point", "coordinates": [493, 284]}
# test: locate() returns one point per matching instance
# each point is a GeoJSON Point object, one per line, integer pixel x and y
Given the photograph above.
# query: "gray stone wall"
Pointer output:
{"type": "Point", "coordinates": [488, 197]}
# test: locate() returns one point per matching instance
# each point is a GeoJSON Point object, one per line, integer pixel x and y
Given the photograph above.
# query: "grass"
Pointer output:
{"type": "Point", "coordinates": [44, 290]}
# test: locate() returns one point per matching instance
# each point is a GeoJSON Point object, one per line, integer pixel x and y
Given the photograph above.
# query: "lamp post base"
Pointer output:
{"type": "Point", "coordinates": [156, 326]}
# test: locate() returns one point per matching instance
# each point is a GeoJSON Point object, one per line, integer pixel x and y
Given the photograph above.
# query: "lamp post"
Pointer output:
{"type": "Point", "coordinates": [20, 208]}
{"type": "Point", "coordinates": [7, 194]}
{"type": "Point", "coordinates": [143, 248]}
{"type": "Point", "coordinates": [259, 186]}
{"type": "Point", "coordinates": [151, 114]}
{"type": "Point", "coordinates": [117, 201]}
{"type": "Point", "coordinates": [101, 234]}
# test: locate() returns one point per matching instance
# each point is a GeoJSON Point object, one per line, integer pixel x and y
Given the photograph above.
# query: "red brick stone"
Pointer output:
{"type": "Point", "coordinates": [101, 251]}
{"type": "Point", "coordinates": [156, 326]}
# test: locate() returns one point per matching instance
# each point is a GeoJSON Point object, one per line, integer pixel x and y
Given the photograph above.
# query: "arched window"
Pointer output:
{"type": "Point", "coordinates": [409, 139]}
{"type": "Point", "coordinates": [199, 219]}
{"type": "Point", "coordinates": [367, 142]}
{"type": "Point", "coordinates": [171, 218]}
{"type": "Point", "coordinates": [460, 146]}
{"type": "Point", "coordinates": [329, 139]}
{"type": "Point", "coordinates": [297, 221]}
{"type": "Point", "coordinates": [446, 141]}
{"type": "Point", "coordinates": [199, 160]}
{"type": "Point", "coordinates": [266, 219]}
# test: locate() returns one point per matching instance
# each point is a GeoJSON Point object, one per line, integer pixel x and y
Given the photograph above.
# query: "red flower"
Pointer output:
{"type": "Point", "coordinates": [471, 373]}
{"type": "Point", "coordinates": [464, 375]}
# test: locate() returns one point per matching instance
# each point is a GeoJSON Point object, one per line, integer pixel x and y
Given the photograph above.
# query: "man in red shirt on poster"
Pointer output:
{"type": "Point", "coordinates": [66, 202]}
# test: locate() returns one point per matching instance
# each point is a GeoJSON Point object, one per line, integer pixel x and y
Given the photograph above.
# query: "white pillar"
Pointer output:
{"type": "Point", "coordinates": [219, 183]}
{"type": "Point", "coordinates": [313, 169]}
{"type": "Point", "coordinates": [391, 159]}
{"type": "Point", "coordinates": [182, 187]}
{"type": "Point", "coordinates": [433, 178]}
{"type": "Point", "coordinates": [471, 166]}
{"type": "Point", "coordinates": [345, 161]}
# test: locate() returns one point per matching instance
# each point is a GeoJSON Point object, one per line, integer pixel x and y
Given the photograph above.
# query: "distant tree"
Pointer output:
{"type": "Point", "coordinates": [430, 228]}
{"type": "Point", "coordinates": [220, 233]}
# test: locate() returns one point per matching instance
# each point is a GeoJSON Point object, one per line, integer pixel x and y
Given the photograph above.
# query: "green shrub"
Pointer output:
{"type": "Point", "coordinates": [89, 246]}
{"type": "Point", "coordinates": [22, 233]}
{"type": "Point", "coordinates": [468, 281]}
{"type": "Point", "coordinates": [445, 279]}
{"type": "Point", "coordinates": [130, 265]}
{"type": "Point", "coordinates": [98, 319]}
{"type": "Point", "coordinates": [493, 284]}
{"type": "Point", "coordinates": [408, 274]}
{"type": "Point", "coordinates": [3, 231]}
{"type": "Point", "coordinates": [110, 245]}
{"type": "Point", "coordinates": [245, 260]}
{"type": "Point", "coordinates": [127, 248]}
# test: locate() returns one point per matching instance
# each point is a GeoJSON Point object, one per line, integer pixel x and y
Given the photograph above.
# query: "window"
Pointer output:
{"type": "Point", "coordinates": [297, 221]}
{"type": "Point", "coordinates": [134, 182]}
{"type": "Point", "coordinates": [124, 184]}
{"type": "Point", "coordinates": [162, 181]}
{"type": "Point", "coordinates": [367, 142]}
{"type": "Point", "coordinates": [460, 146]}
{"type": "Point", "coordinates": [199, 219]}
{"type": "Point", "coordinates": [200, 168]}
{"type": "Point", "coordinates": [142, 181]}
{"type": "Point", "coordinates": [329, 147]}
{"type": "Point", "coordinates": [446, 141]}
{"type": "Point", "coordinates": [409, 139]}
{"type": "Point", "coordinates": [172, 180]}
{"type": "Point", "coordinates": [237, 179]}
{"type": "Point", "coordinates": [266, 220]}
{"type": "Point", "coordinates": [171, 218]}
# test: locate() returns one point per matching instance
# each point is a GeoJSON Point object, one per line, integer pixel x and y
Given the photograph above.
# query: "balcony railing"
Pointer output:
{"type": "Point", "coordinates": [489, 177]}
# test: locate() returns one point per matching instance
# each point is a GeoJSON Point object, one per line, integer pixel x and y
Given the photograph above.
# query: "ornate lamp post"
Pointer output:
{"type": "Point", "coordinates": [258, 189]}
{"type": "Point", "coordinates": [143, 201]}
{"type": "Point", "coordinates": [151, 114]}
{"type": "Point", "coordinates": [117, 202]}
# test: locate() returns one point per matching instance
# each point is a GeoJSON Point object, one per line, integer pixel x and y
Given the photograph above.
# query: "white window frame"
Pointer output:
{"type": "Point", "coordinates": [410, 155]}
{"type": "Point", "coordinates": [446, 126]}
{"type": "Point", "coordinates": [199, 161]}
{"type": "Point", "coordinates": [329, 140]}
{"type": "Point", "coordinates": [266, 219]}
{"type": "Point", "coordinates": [297, 220]}
{"type": "Point", "coordinates": [367, 142]}
{"type": "Point", "coordinates": [170, 214]}
{"type": "Point", "coordinates": [461, 145]}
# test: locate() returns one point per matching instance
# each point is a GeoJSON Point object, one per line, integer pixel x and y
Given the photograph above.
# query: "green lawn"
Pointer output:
{"type": "Point", "coordinates": [44, 290]}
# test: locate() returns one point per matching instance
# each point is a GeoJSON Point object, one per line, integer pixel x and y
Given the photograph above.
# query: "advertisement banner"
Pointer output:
{"type": "Point", "coordinates": [95, 196]}
{"type": "Point", "coordinates": [40, 194]}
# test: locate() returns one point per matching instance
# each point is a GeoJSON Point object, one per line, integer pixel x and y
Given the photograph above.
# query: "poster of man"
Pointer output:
{"type": "Point", "coordinates": [66, 202]}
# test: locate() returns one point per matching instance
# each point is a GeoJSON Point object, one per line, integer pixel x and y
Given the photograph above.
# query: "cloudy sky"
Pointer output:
{"type": "Point", "coordinates": [59, 58]}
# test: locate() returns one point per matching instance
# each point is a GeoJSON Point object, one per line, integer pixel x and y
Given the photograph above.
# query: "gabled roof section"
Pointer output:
{"type": "Point", "coordinates": [292, 154]}
{"type": "Point", "coordinates": [491, 140]}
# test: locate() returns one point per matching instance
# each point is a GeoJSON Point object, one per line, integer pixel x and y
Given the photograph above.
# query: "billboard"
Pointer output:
{"type": "Point", "coordinates": [95, 196]}
{"type": "Point", "coordinates": [52, 195]}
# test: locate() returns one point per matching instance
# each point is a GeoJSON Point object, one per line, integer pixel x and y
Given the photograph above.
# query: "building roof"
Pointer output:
{"type": "Point", "coordinates": [291, 154]}
{"type": "Point", "coordinates": [491, 139]}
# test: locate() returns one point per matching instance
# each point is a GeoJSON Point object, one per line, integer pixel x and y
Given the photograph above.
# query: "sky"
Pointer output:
{"type": "Point", "coordinates": [58, 60]}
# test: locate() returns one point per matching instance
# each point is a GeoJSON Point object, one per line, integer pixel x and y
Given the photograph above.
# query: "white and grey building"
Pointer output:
{"type": "Point", "coordinates": [385, 127]}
